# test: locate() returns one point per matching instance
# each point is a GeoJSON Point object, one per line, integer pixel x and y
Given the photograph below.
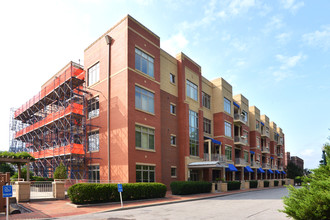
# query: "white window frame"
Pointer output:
{"type": "Point", "coordinates": [192, 90]}
{"type": "Point", "coordinates": [94, 171]}
{"type": "Point", "coordinates": [172, 109]}
{"type": "Point", "coordinates": [93, 107]}
{"type": "Point", "coordinates": [144, 100]}
{"type": "Point", "coordinates": [206, 100]}
{"type": "Point", "coordinates": [141, 58]}
{"type": "Point", "coordinates": [93, 74]}
{"type": "Point", "coordinates": [228, 128]}
{"type": "Point", "coordinates": [172, 78]}
{"type": "Point", "coordinates": [173, 140]}
{"type": "Point", "coordinates": [93, 141]}
{"type": "Point", "coordinates": [227, 105]}
{"type": "Point", "coordinates": [175, 171]}
{"type": "Point", "coordinates": [145, 134]}
{"type": "Point", "coordinates": [207, 126]}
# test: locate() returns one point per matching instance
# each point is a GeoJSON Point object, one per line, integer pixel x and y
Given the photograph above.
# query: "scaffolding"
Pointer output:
{"type": "Point", "coordinates": [54, 124]}
{"type": "Point", "coordinates": [14, 126]}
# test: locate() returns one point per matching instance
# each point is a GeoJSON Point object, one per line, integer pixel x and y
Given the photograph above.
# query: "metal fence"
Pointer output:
{"type": "Point", "coordinates": [41, 189]}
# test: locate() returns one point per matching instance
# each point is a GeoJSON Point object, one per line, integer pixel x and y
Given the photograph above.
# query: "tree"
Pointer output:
{"type": "Point", "coordinates": [312, 200]}
{"type": "Point", "coordinates": [60, 172]}
{"type": "Point", "coordinates": [293, 171]}
{"type": "Point", "coordinates": [5, 167]}
{"type": "Point", "coordinates": [23, 174]}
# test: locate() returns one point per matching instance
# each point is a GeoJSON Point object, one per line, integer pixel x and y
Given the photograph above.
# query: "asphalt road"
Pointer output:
{"type": "Point", "coordinates": [250, 205]}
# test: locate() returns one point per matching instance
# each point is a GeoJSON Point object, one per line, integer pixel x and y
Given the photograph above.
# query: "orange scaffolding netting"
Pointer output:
{"type": "Point", "coordinates": [63, 150]}
{"type": "Point", "coordinates": [67, 74]}
{"type": "Point", "coordinates": [72, 108]}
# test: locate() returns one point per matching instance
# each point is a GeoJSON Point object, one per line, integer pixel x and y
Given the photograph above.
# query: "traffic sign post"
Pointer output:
{"type": "Point", "coordinates": [120, 190]}
{"type": "Point", "coordinates": [7, 191]}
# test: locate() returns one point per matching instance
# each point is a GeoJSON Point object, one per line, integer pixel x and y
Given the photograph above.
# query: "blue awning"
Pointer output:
{"type": "Point", "coordinates": [270, 171]}
{"type": "Point", "coordinates": [252, 152]}
{"type": "Point", "coordinates": [231, 168]}
{"type": "Point", "coordinates": [260, 170]}
{"type": "Point", "coordinates": [262, 123]}
{"type": "Point", "coordinates": [271, 157]}
{"type": "Point", "coordinates": [214, 141]}
{"type": "Point", "coordinates": [278, 172]}
{"type": "Point", "coordinates": [237, 105]}
{"type": "Point", "coordinates": [248, 169]}
{"type": "Point", "coordinates": [283, 172]}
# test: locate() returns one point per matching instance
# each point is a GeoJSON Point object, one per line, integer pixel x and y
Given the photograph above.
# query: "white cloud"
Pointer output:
{"type": "Point", "coordinates": [275, 23]}
{"type": "Point", "coordinates": [238, 45]}
{"type": "Point", "coordinates": [284, 71]}
{"type": "Point", "coordinates": [292, 5]}
{"type": "Point", "coordinates": [240, 6]}
{"type": "Point", "coordinates": [319, 38]}
{"type": "Point", "coordinates": [175, 44]}
{"type": "Point", "coordinates": [283, 38]}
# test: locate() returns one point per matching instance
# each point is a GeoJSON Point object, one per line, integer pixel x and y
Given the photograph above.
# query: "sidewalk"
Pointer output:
{"type": "Point", "coordinates": [61, 208]}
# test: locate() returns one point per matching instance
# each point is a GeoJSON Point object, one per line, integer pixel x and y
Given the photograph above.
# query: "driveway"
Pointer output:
{"type": "Point", "coordinates": [262, 204]}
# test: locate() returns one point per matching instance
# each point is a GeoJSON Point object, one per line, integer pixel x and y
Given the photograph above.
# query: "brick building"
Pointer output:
{"type": "Point", "coordinates": [148, 116]}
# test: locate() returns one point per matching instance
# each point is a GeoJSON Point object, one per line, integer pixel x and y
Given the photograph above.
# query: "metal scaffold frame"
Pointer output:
{"type": "Point", "coordinates": [56, 124]}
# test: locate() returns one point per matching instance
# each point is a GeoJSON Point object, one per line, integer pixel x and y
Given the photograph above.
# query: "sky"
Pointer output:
{"type": "Point", "coordinates": [276, 53]}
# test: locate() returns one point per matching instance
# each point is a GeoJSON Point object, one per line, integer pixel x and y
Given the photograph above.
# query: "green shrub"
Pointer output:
{"type": "Point", "coordinates": [84, 193]}
{"type": "Point", "coordinates": [275, 182]}
{"type": "Point", "coordinates": [283, 182]}
{"type": "Point", "coordinates": [60, 172]}
{"type": "Point", "coordinates": [253, 184]}
{"type": "Point", "coordinates": [190, 187]}
{"type": "Point", "coordinates": [234, 185]}
{"type": "Point", "coordinates": [266, 183]}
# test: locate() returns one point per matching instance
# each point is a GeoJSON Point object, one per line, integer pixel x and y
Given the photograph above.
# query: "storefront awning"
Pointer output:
{"type": "Point", "coordinates": [270, 171]}
{"type": "Point", "coordinates": [214, 141]}
{"type": "Point", "coordinates": [206, 164]}
{"type": "Point", "coordinates": [237, 105]}
{"type": "Point", "coordinates": [260, 170]}
{"type": "Point", "coordinates": [277, 172]}
{"type": "Point", "coordinates": [231, 168]}
{"type": "Point", "coordinates": [262, 123]}
{"type": "Point", "coordinates": [283, 172]}
{"type": "Point", "coordinates": [272, 158]}
{"type": "Point", "coordinates": [252, 152]}
{"type": "Point", "coordinates": [248, 169]}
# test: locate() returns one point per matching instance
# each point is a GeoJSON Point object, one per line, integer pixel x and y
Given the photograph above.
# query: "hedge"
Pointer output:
{"type": "Point", "coordinates": [85, 193]}
{"type": "Point", "coordinates": [234, 185]}
{"type": "Point", "coordinates": [253, 184]}
{"type": "Point", "coordinates": [283, 182]}
{"type": "Point", "coordinates": [275, 182]}
{"type": "Point", "coordinates": [190, 187]}
{"type": "Point", "coordinates": [266, 183]}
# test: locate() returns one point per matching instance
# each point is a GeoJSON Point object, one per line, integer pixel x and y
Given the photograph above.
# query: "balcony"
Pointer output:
{"type": "Point", "coordinates": [240, 162]}
{"type": "Point", "coordinates": [264, 133]}
{"type": "Point", "coordinates": [265, 166]}
{"type": "Point", "coordinates": [265, 150]}
{"type": "Point", "coordinates": [239, 119]}
{"type": "Point", "coordinates": [280, 155]}
{"type": "Point", "coordinates": [242, 141]}
{"type": "Point", "coordinates": [280, 168]}
{"type": "Point", "coordinates": [215, 157]}
{"type": "Point", "coordinates": [255, 164]}
{"type": "Point", "coordinates": [280, 142]}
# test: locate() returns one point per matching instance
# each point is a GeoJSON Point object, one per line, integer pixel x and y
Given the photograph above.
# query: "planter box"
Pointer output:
{"type": "Point", "coordinates": [247, 185]}
{"type": "Point", "coordinates": [223, 187]}
{"type": "Point", "coordinates": [260, 184]}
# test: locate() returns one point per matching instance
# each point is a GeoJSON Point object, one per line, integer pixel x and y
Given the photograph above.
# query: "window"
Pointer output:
{"type": "Point", "coordinates": [93, 141]}
{"type": "Point", "coordinates": [257, 124]}
{"type": "Point", "coordinates": [206, 99]}
{"type": "Point", "coordinates": [144, 137]}
{"type": "Point", "coordinates": [227, 105]}
{"type": "Point", "coordinates": [173, 109]}
{"type": "Point", "coordinates": [144, 100]}
{"type": "Point", "coordinates": [94, 173]}
{"type": "Point", "coordinates": [173, 140]}
{"type": "Point", "coordinates": [93, 74]}
{"type": "Point", "coordinates": [192, 90]}
{"type": "Point", "coordinates": [258, 142]}
{"type": "Point", "coordinates": [172, 78]}
{"type": "Point", "coordinates": [194, 175]}
{"type": "Point", "coordinates": [245, 115]}
{"type": "Point", "coordinates": [144, 62]}
{"type": "Point", "coordinates": [227, 129]}
{"type": "Point", "coordinates": [193, 133]}
{"type": "Point", "coordinates": [145, 174]}
{"type": "Point", "coordinates": [173, 172]}
{"type": "Point", "coordinates": [228, 152]}
{"type": "Point", "coordinates": [93, 107]}
{"type": "Point", "coordinates": [207, 125]}
{"type": "Point", "coordinates": [246, 156]}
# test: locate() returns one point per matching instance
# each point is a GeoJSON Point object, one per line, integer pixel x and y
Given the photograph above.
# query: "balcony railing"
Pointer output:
{"type": "Point", "coordinates": [265, 166]}
{"type": "Point", "coordinates": [241, 161]}
{"type": "Point", "coordinates": [280, 155]}
{"type": "Point", "coordinates": [240, 118]}
{"type": "Point", "coordinates": [265, 150]}
{"type": "Point", "coordinates": [264, 133]}
{"type": "Point", "coordinates": [280, 141]}
{"type": "Point", "coordinates": [280, 168]}
{"type": "Point", "coordinates": [215, 157]}
{"type": "Point", "coordinates": [240, 140]}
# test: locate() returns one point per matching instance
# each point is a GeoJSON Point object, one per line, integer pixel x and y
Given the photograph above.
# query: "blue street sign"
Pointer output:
{"type": "Point", "coordinates": [7, 191]}
{"type": "Point", "coordinates": [120, 187]}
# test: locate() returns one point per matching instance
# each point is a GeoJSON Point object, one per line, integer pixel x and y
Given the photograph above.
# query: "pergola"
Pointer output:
{"type": "Point", "coordinates": [19, 162]}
